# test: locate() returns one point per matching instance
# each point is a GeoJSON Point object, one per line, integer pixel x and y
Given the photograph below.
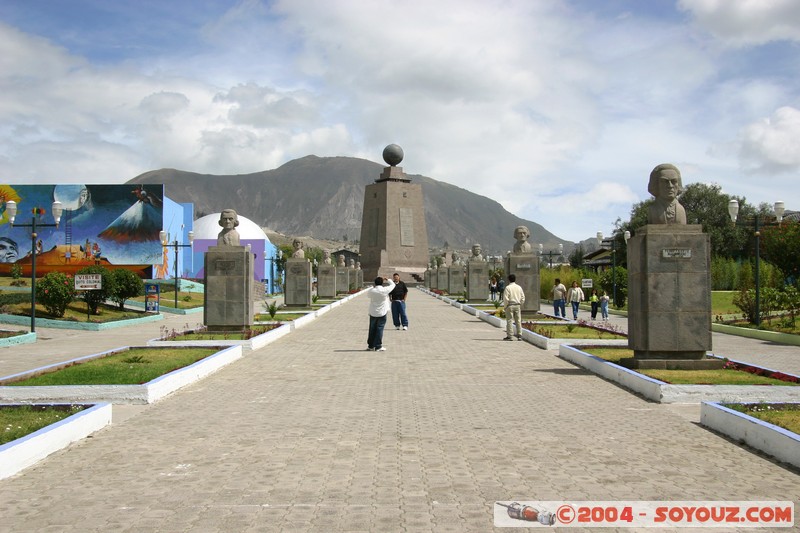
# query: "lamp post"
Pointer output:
{"type": "Point", "coordinates": [11, 210]}
{"type": "Point", "coordinates": [733, 211]}
{"type": "Point", "coordinates": [272, 268]}
{"type": "Point", "coordinates": [163, 235]}
{"type": "Point", "coordinates": [551, 253]}
{"type": "Point", "coordinates": [626, 235]}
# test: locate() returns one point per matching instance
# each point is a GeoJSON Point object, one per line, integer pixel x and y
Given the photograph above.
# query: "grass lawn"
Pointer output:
{"type": "Point", "coordinates": [689, 377]}
{"type": "Point", "coordinates": [130, 367]}
{"type": "Point", "coordinates": [785, 415]}
{"type": "Point", "coordinates": [279, 317]}
{"type": "Point", "coordinates": [16, 421]}
{"type": "Point", "coordinates": [186, 300]}
{"type": "Point", "coordinates": [76, 312]}
{"type": "Point", "coordinates": [722, 303]}
{"type": "Point", "coordinates": [570, 331]}
{"type": "Point", "coordinates": [205, 335]}
{"type": "Point", "coordinates": [8, 334]}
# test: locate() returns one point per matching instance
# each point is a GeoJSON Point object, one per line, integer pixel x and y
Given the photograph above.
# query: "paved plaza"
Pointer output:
{"type": "Point", "coordinates": [313, 433]}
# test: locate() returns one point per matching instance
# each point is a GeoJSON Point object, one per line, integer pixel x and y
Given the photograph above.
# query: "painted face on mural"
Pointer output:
{"type": "Point", "coordinates": [8, 250]}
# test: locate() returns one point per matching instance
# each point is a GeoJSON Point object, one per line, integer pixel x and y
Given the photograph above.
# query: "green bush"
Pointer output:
{"type": "Point", "coordinates": [125, 284]}
{"type": "Point", "coordinates": [607, 284]}
{"type": "Point", "coordinates": [55, 291]}
{"type": "Point", "coordinates": [96, 297]}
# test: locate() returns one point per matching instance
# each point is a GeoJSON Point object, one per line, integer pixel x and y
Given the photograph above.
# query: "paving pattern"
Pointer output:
{"type": "Point", "coordinates": [313, 433]}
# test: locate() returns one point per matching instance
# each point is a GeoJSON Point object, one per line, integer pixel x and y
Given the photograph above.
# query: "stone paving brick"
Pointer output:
{"type": "Point", "coordinates": [312, 433]}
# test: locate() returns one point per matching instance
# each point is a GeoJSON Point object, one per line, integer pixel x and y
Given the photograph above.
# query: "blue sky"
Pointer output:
{"type": "Point", "coordinates": [558, 109]}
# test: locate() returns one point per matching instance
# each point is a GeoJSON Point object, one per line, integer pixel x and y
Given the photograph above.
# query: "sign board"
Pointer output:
{"type": "Point", "coordinates": [88, 282]}
{"type": "Point", "coordinates": [152, 294]}
{"type": "Point", "coordinates": [586, 283]}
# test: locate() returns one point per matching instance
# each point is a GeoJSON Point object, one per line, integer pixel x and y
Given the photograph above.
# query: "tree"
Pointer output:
{"type": "Point", "coordinates": [95, 297]}
{"type": "Point", "coordinates": [781, 246]}
{"type": "Point", "coordinates": [126, 285]}
{"type": "Point", "coordinates": [576, 257]}
{"type": "Point", "coordinates": [55, 291]}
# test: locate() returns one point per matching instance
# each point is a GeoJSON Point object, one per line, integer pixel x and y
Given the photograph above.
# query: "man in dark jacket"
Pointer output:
{"type": "Point", "coordinates": [398, 298]}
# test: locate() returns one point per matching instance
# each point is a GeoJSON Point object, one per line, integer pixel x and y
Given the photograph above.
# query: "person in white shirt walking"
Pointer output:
{"type": "Point", "coordinates": [378, 308]}
{"type": "Point", "coordinates": [575, 296]}
{"type": "Point", "coordinates": [513, 298]}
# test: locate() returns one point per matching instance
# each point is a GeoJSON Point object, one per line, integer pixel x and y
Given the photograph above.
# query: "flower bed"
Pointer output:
{"type": "Point", "coordinates": [661, 392]}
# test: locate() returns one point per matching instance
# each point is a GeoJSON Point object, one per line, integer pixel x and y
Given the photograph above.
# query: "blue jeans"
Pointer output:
{"type": "Point", "coordinates": [399, 317]}
{"type": "Point", "coordinates": [575, 310]}
{"type": "Point", "coordinates": [375, 337]}
{"type": "Point", "coordinates": [559, 305]}
{"type": "Point", "coordinates": [604, 308]}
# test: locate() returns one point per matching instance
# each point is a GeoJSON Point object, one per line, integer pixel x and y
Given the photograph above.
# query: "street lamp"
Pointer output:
{"type": "Point", "coordinates": [163, 235]}
{"type": "Point", "coordinates": [551, 253]}
{"type": "Point", "coordinates": [626, 235]}
{"type": "Point", "coordinates": [272, 268]}
{"type": "Point", "coordinates": [733, 211]}
{"type": "Point", "coordinates": [11, 210]}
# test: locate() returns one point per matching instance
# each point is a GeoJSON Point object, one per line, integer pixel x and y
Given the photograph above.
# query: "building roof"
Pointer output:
{"type": "Point", "coordinates": [208, 227]}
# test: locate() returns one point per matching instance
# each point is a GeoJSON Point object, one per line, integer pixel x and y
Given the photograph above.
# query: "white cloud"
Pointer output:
{"type": "Point", "coordinates": [746, 22]}
{"type": "Point", "coordinates": [770, 145]}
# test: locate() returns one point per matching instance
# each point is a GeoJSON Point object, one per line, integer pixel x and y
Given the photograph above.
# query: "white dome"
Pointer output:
{"type": "Point", "coordinates": [208, 227]}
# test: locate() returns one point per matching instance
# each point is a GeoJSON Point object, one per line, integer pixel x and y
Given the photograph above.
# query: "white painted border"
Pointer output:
{"type": "Point", "coordinates": [658, 391]}
{"type": "Point", "coordinates": [122, 394]}
{"type": "Point", "coordinates": [780, 443]}
{"type": "Point", "coordinates": [19, 454]}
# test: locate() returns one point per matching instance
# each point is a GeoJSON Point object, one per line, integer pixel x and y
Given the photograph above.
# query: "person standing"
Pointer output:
{"type": "Point", "coordinates": [398, 299]}
{"type": "Point", "coordinates": [513, 298]}
{"type": "Point", "coordinates": [604, 305]}
{"type": "Point", "coordinates": [559, 294]}
{"type": "Point", "coordinates": [378, 308]}
{"type": "Point", "coordinates": [493, 288]}
{"type": "Point", "coordinates": [594, 300]}
{"type": "Point", "coordinates": [575, 296]}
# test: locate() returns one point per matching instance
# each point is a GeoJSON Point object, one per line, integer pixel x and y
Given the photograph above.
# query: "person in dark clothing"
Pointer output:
{"type": "Point", "coordinates": [398, 298]}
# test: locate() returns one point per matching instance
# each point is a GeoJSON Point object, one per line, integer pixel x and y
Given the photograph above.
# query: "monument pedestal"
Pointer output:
{"type": "Point", "coordinates": [526, 268]}
{"type": "Point", "coordinates": [298, 283]}
{"type": "Point", "coordinates": [326, 281]}
{"type": "Point", "coordinates": [477, 281]}
{"type": "Point", "coordinates": [442, 278]}
{"type": "Point", "coordinates": [669, 300]}
{"type": "Point", "coordinates": [455, 280]}
{"type": "Point", "coordinates": [229, 296]}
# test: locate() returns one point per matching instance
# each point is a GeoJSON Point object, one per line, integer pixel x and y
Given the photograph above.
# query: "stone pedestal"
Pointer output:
{"type": "Point", "coordinates": [669, 297]}
{"type": "Point", "coordinates": [526, 268]}
{"type": "Point", "coordinates": [326, 281]}
{"type": "Point", "coordinates": [342, 280]}
{"type": "Point", "coordinates": [359, 279]}
{"type": "Point", "coordinates": [298, 283]}
{"type": "Point", "coordinates": [478, 281]}
{"type": "Point", "coordinates": [455, 280]}
{"type": "Point", "coordinates": [427, 279]}
{"type": "Point", "coordinates": [442, 278]}
{"type": "Point", "coordinates": [229, 295]}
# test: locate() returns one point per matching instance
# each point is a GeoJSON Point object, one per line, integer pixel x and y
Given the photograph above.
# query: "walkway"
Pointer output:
{"type": "Point", "coordinates": [312, 433]}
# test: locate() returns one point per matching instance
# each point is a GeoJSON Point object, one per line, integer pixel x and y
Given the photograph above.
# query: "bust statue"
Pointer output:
{"type": "Point", "coordinates": [352, 264]}
{"type": "Point", "coordinates": [228, 219]}
{"type": "Point", "coordinates": [326, 257]}
{"type": "Point", "coordinates": [358, 265]}
{"type": "Point", "coordinates": [476, 253]}
{"type": "Point", "coordinates": [665, 184]}
{"type": "Point", "coordinates": [522, 246]}
{"type": "Point", "coordinates": [298, 253]}
{"type": "Point", "coordinates": [340, 261]}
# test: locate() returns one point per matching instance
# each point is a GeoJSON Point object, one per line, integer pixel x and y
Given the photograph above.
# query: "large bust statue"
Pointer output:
{"type": "Point", "coordinates": [340, 261]}
{"type": "Point", "coordinates": [352, 264]}
{"type": "Point", "coordinates": [476, 253]}
{"type": "Point", "coordinates": [522, 246]}
{"type": "Point", "coordinates": [298, 253]}
{"type": "Point", "coordinates": [228, 219]}
{"type": "Point", "coordinates": [326, 257]}
{"type": "Point", "coordinates": [665, 184]}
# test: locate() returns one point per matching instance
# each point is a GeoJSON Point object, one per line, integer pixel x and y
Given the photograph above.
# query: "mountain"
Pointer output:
{"type": "Point", "coordinates": [323, 197]}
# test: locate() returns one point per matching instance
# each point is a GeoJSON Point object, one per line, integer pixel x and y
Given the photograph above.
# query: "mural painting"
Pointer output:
{"type": "Point", "coordinates": [115, 226]}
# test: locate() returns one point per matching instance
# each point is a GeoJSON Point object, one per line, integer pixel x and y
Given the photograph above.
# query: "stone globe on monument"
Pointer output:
{"type": "Point", "coordinates": [394, 236]}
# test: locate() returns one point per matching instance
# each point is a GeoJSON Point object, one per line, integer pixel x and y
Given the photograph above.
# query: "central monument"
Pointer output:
{"type": "Point", "coordinates": [394, 237]}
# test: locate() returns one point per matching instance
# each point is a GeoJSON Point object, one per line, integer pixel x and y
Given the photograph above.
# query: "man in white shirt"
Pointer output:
{"type": "Point", "coordinates": [513, 298]}
{"type": "Point", "coordinates": [378, 308]}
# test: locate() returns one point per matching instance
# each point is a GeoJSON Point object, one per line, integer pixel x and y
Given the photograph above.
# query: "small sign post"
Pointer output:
{"type": "Point", "coordinates": [152, 296]}
{"type": "Point", "coordinates": [586, 283]}
{"type": "Point", "coordinates": [88, 282]}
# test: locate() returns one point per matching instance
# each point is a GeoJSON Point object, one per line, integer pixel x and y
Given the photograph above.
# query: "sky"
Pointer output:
{"type": "Point", "coordinates": [557, 109]}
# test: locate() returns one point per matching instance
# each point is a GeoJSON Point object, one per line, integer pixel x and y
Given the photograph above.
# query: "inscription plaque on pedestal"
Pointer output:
{"type": "Point", "coordinates": [477, 281]}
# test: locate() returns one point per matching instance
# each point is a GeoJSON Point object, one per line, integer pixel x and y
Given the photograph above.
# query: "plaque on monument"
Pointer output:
{"type": "Point", "coordinates": [526, 268]}
{"type": "Point", "coordinates": [442, 278]}
{"type": "Point", "coordinates": [298, 283]}
{"type": "Point", "coordinates": [326, 281]}
{"type": "Point", "coordinates": [229, 295]}
{"type": "Point", "coordinates": [478, 281]}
